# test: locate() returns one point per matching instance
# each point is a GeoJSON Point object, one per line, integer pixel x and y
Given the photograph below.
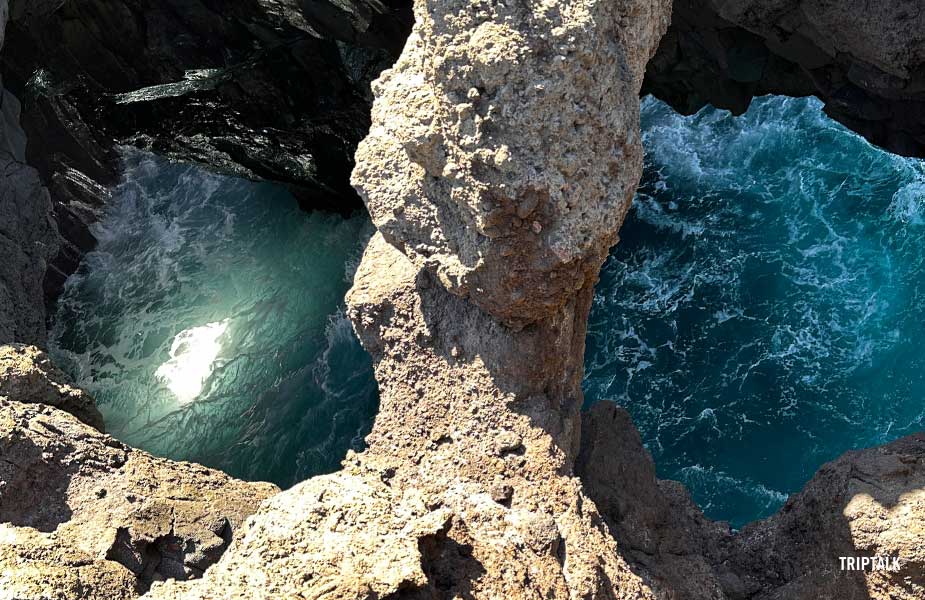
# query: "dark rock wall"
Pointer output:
{"type": "Point", "coordinates": [28, 237]}
{"type": "Point", "coordinates": [263, 89]}
{"type": "Point", "coordinates": [865, 60]}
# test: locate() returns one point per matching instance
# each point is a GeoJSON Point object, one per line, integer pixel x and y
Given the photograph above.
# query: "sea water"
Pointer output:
{"type": "Point", "coordinates": [765, 309]}
{"type": "Point", "coordinates": [209, 324]}
{"type": "Point", "coordinates": [763, 313]}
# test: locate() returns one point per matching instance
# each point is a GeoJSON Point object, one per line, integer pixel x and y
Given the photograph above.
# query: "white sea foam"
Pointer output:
{"type": "Point", "coordinates": [192, 360]}
{"type": "Point", "coordinates": [767, 280]}
{"type": "Point", "coordinates": [207, 323]}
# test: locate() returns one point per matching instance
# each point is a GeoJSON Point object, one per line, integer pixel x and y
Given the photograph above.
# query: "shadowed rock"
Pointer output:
{"type": "Point", "coordinates": [865, 60]}
{"type": "Point", "coordinates": [84, 516]}
{"type": "Point", "coordinates": [263, 89]}
{"type": "Point", "coordinates": [869, 503]}
{"type": "Point", "coordinates": [478, 423]}
{"type": "Point", "coordinates": [28, 236]}
{"type": "Point", "coordinates": [28, 375]}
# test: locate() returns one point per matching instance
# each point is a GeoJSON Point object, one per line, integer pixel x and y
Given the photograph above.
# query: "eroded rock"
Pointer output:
{"type": "Point", "coordinates": [869, 503]}
{"type": "Point", "coordinates": [263, 89]}
{"type": "Point", "coordinates": [505, 148]}
{"type": "Point", "coordinates": [659, 527]}
{"type": "Point", "coordinates": [863, 59]}
{"type": "Point", "coordinates": [28, 236]}
{"type": "Point", "coordinates": [28, 375]}
{"type": "Point", "coordinates": [84, 516]}
{"type": "Point", "coordinates": [478, 423]}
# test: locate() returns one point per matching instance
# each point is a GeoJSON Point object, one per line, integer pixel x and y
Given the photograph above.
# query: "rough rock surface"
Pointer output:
{"type": "Point", "coordinates": [483, 173]}
{"type": "Point", "coordinates": [865, 504]}
{"type": "Point", "coordinates": [84, 516]}
{"type": "Point", "coordinates": [865, 60]}
{"type": "Point", "coordinates": [471, 456]}
{"type": "Point", "coordinates": [506, 150]}
{"type": "Point", "coordinates": [659, 527]}
{"type": "Point", "coordinates": [28, 236]}
{"type": "Point", "coordinates": [28, 375]}
{"type": "Point", "coordinates": [470, 486]}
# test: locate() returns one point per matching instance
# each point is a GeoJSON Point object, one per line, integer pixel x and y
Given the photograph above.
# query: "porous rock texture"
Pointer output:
{"type": "Point", "coordinates": [27, 374]}
{"type": "Point", "coordinates": [865, 60]}
{"type": "Point", "coordinates": [481, 480]}
{"type": "Point", "coordinates": [505, 148]}
{"type": "Point", "coordinates": [466, 489]}
{"type": "Point", "coordinates": [82, 516]}
{"type": "Point", "coordinates": [503, 156]}
{"type": "Point", "coordinates": [868, 503]}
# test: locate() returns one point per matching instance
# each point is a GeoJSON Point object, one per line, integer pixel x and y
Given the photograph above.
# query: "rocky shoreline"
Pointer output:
{"type": "Point", "coordinates": [503, 153]}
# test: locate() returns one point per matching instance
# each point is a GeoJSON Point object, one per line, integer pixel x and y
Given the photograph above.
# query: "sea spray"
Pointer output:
{"type": "Point", "coordinates": [763, 311]}
{"type": "Point", "coordinates": [209, 326]}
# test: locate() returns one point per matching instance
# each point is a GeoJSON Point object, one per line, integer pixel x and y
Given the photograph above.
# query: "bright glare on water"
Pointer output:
{"type": "Point", "coordinates": [209, 324]}
{"type": "Point", "coordinates": [192, 359]}
{"type": "Point", "coordinates": [762, 314]}
{"type": "Point", "coordinates": [765, 308]}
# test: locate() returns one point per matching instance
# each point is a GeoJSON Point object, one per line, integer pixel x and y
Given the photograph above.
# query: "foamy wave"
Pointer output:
{"type": "Point", "coordinates": [767, 281]}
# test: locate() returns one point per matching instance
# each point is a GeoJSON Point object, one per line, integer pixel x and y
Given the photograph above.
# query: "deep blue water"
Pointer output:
{"type": "Point", "coordinates": [765, 309]}
{"type": "Point", "coordinates": [762, 314]}
{"type": "Point", "coordinates": [209, 326]}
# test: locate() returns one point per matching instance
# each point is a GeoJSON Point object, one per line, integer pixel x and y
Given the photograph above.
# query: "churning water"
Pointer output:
{"type": "Point", "coordinates": [209, 324]}
{"type": "Point", "coordinates": [764, 312]}
{"type": "Point", "coordinates": [765, 309]}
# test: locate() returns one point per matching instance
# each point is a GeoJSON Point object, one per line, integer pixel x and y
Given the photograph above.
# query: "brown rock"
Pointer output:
{"type": "Point", "coordinates": [551, 132]}
{"type": "Point", "coordinates": [84, 516]}
{"type": "Point", "coordinates": [443, 185]}
{"type": "Point", "coordinates": [28, 375]}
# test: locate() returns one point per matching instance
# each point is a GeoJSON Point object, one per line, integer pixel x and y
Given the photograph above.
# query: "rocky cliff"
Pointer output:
{"type": "Point", "coordinates": [865, 60]}
{"type": "Point", "coordinates": [263, 89]}
{"type": "Point", "coordinates": [503, 154]}
{"type": "Point", "coordinates": [278, 89]}
{"type": "Point", "coordinates": [495, 208]}
{"type": "Point", "coordinates": [865, 504]}
{"type": "Point", "coordinates": [82, 516]}
{"type": "Point", "coordinates": [484, 190]}
{"type": "Point", "coordinates": [28, 235]}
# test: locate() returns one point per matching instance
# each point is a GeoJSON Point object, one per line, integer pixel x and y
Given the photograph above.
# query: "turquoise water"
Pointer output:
{"type": "Point", "coordinates": [209, 326]}
{"type": "Point", "coordinates": [765, 309]}
{"type": "Point", "coordinates": [761, 315]}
